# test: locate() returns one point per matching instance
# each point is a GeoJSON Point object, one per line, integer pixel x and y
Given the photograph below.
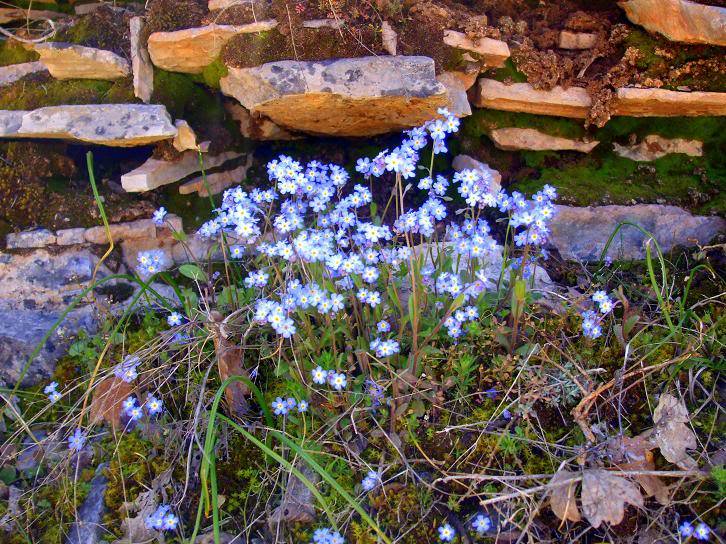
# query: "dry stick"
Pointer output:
{"type": "Point", "coordinates": [581, 411]}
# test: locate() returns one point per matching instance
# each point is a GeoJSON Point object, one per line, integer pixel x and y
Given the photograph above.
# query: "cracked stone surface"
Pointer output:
{"type": "Point", "coordinates": [70, 61]}
{"type": "Point", "coordinates": [346, 97]}
{"type": "Point", "coordinates": [117, 125]}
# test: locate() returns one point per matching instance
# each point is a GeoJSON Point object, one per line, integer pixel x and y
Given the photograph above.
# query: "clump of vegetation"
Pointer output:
{"type": "Point", "coordinates": [347, 369]}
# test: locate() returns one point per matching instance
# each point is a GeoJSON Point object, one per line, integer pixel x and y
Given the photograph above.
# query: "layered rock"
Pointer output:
{"type": "Point", "coordinates": [637, 102]}
{"type": "Point", "coordinates": [522, 97]}
{"type": "Point", "coordinates": [215, 183]}
{"type": "Point", "coordinates": [346, 97]}
{"type": "Point", "coordinates": [514, 139]}
{"type": "Point", "coordinates": [257, 127]}
{"type": "Point", "coordinates": [140, 62]}
{"type": "Point", "coordinates": [576, 40]}
{"type": "Point", "coordinates": [117, 125]}
{"type": "Point", "coordinates": [155, 172]}
{"type": "Point", "coordinates": [14, 72]}
{"type": "Point", "coordinates": [581, 233]}
{"type": "Point", "coordinates": [192, 49]}
{"type": "Point", "coordinates": [70, 61]}
{"type": "Point", "coordinates": [679, 20]}
{"type": "Point", "coordinates": [458, 100]}
{"type": "Point", "coordinates": [493, 52]}
{"type": "Point", "coordinates": [8, 15]}
{"type": "Point", "coordinates": [654, 147]}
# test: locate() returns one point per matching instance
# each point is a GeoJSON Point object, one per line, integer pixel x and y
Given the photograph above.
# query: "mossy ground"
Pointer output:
{"type": "Point", "coordinates": [11, 52]}
{"type": "Point", "coordinates": [602, 176]}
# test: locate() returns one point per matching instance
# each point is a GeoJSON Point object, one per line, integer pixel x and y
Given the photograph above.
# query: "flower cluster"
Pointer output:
{"type": "Point", "coordinates": [126, 369]}
{"type": "Point", "coordinates": [337, 380]}
{"type": "Point", "coordinates": [162, 519]}
{"type": "Point", "coordinates": [371, 480]}
{"type": "Point", "coordinates": [700, 531]}
{"type": "Point", "coordinates": [151, 262]}
{"type": "Point", "coordinates": [282, 407]}
{"type": "Point", "coordinates": [51, 390]}
{"type": "Point", "coordinates": [327, 536]}
{"type": "Point", "coordinates": [454, 323]}
{"type": "Point", "coordinates": [591, 320]}
{"type": "Point", "coordinates": [134, 411]}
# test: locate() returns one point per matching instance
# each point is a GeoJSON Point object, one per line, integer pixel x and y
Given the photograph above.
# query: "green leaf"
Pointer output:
{"type": "Point", "coordinates": [193, 272]}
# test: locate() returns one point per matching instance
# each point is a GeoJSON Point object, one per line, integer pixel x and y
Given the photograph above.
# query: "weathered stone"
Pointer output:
{"type": "Point", "coordinates": [192, 49]}
{"type": "Point", "coordinates": [257, 127]}
{"type": "Point", "coordinates": [514, 139]}
{"type": "Point", "coordinates": [458, 101]}
{"type": "Point", "coordinates": [8, 15]}
{"type": "Point", "coordinates": [141, 228]}
{"type": "Point", "coordinates": [581, 233]}
{"type": "Point", "coordinates": [130, 249]}
{"type": "Point", "coordinates": [637, 102]}
{"type": "Point", "coordinates": [196, 248]}
{"type": "Point", "coordinates": [346, 97]}
{"type": "Point", "coordinates": [185, 138]}
{"type": "Point", "coordinates": [70, 237]}
{"type": "Point", "coordinates": [573, 102]}
{"type": "Point", "coordinates": [216, 182]}
{"type": "Point", "coordinates": [493, 52]}
{"type": "Point", "coordinates": [70, 61]}
{"type": "Point", "coordinates": [655, 146]}
{"type": "Point", "coordinates": [13, 72]}
{"type": "Point", "coordinates": [466, 78]}
{"type": "Point", "coordinates": [35, 288]}
{"type": "Point", "coordinates": [87, 529]}
{"type": "Point", "coordinates": [85, 9]}
{"type": "Point", "coordinates": [389, 38]}
{"type": "Point", "coordinates": [577, 40]}
{"type": "Point", "coordinates": [324, 23]}
{"type": "Point", "coordinates": [464, 162]}
{"type": "Point", "coordinates": [30, 238]}
{"type": "Point", "coordinates": [679, 20]}
{"type": "Point", "coordinates": [117, 125]}
{"type": "Point", "coordinates": [140, 62]}
{"type": "Point", "coordinates": [155, 173]}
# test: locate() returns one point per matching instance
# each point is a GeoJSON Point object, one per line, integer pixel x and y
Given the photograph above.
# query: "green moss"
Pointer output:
{"type": "Point", "coordinates": [483, 121]}
{"type": "Point", "coordinates": [212, 74]}
{"type": "Point", "coordinates": [508, 72]}
{"type": "Point", "coordinates": [53, 92]}
{"type": "Point", "coordinates": [12, 52]}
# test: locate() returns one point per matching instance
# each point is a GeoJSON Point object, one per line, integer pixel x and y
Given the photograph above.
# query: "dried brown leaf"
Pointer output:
{"type": "Point", "coordinates": [604, 495]}
{"type": "Point", "coordinates": [635, 454]}
{"type": "Point", "coordinates": [672, 434]}
{"type": "Point", "coordinates": [562, 498]}
{"type": "Point", "coordinates": [108, 397]}
{"type": "Point", "coordinates": [229, 363]}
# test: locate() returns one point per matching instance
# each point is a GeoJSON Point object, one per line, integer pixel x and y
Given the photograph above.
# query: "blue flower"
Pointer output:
{"type": "Point", "coordinates": [54, 397]}
{"type": "Point", "coordinates": [280, 407]}
{"type": "Point", "coordinates": [446, 533]}
{"type": "Point", "coordinates": [337, 380]}
{"type": "Point", "coordinates": [50, 388]}
{"type": "Point", "coordinates": [126, 370]}
{"type": "Point", "coordinates": [174, 319]}
{"type": "Point", "coordinates": [236, 252]}
{"type": "Point", "coordinates": [302, 406]}
{"type": "Point", "coordinates": [152, 262]}
{"type": "Point", "coordinates": [129, 403]}
{"type": "Point", "coordinates": [77, 440]}
{"type": "Point", "coordinates": [162, 519]}
{"type": "Point", "coordinates": [371, 480]}
{"type": "Point", "coordinates": [154, 406]}
{"type": "Point", "coordinates": [481, 523]}
{"type": "Point", "coordinates": [702, 532]}
{"type": "Point", "coordinates": [383, 326]}
{"type": "Point", "coordinates": [159, 216]}
{"type": "Point", "coordinates": [686, 529]}
{"type": "Point", "coordinates": [319, 375]}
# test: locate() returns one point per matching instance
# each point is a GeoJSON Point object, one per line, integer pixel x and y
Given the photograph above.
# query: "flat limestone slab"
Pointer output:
{"type": "Point", "coordinates": [514, 139]}
{"type": "Point", "coordinates": [70, 61]}
{"type": "Point", "coordinates": [216, 182]}
{"type": "Point", "coordinates": [637, 102]}
{"type": "Point", "coordinates": [193, 49]}
{"type": "Point", "coordinates": [345, 97]}
{"type": "Point", "coordinates": [494, 52]}
{"type": "Point", "coordinates": [679, 20]}
{"type": "Point", "coordinates": [655, 146]}
{"type": "Point", "coordinates": [115, 125]}
{"type": "Point", "coordinates": [573, 102]}
{"type": "Point", "coordinates": [8, 15]}
{"type": "Point", "coordinates": [13, 72]}
{"type": "Point", "coordinates": [155, 173]}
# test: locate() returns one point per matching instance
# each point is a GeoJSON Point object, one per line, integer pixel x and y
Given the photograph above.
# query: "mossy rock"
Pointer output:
{"type": "Point", "coordinates": [42, 90]}
{"type": "Point", "coordinates": [11, 52]}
